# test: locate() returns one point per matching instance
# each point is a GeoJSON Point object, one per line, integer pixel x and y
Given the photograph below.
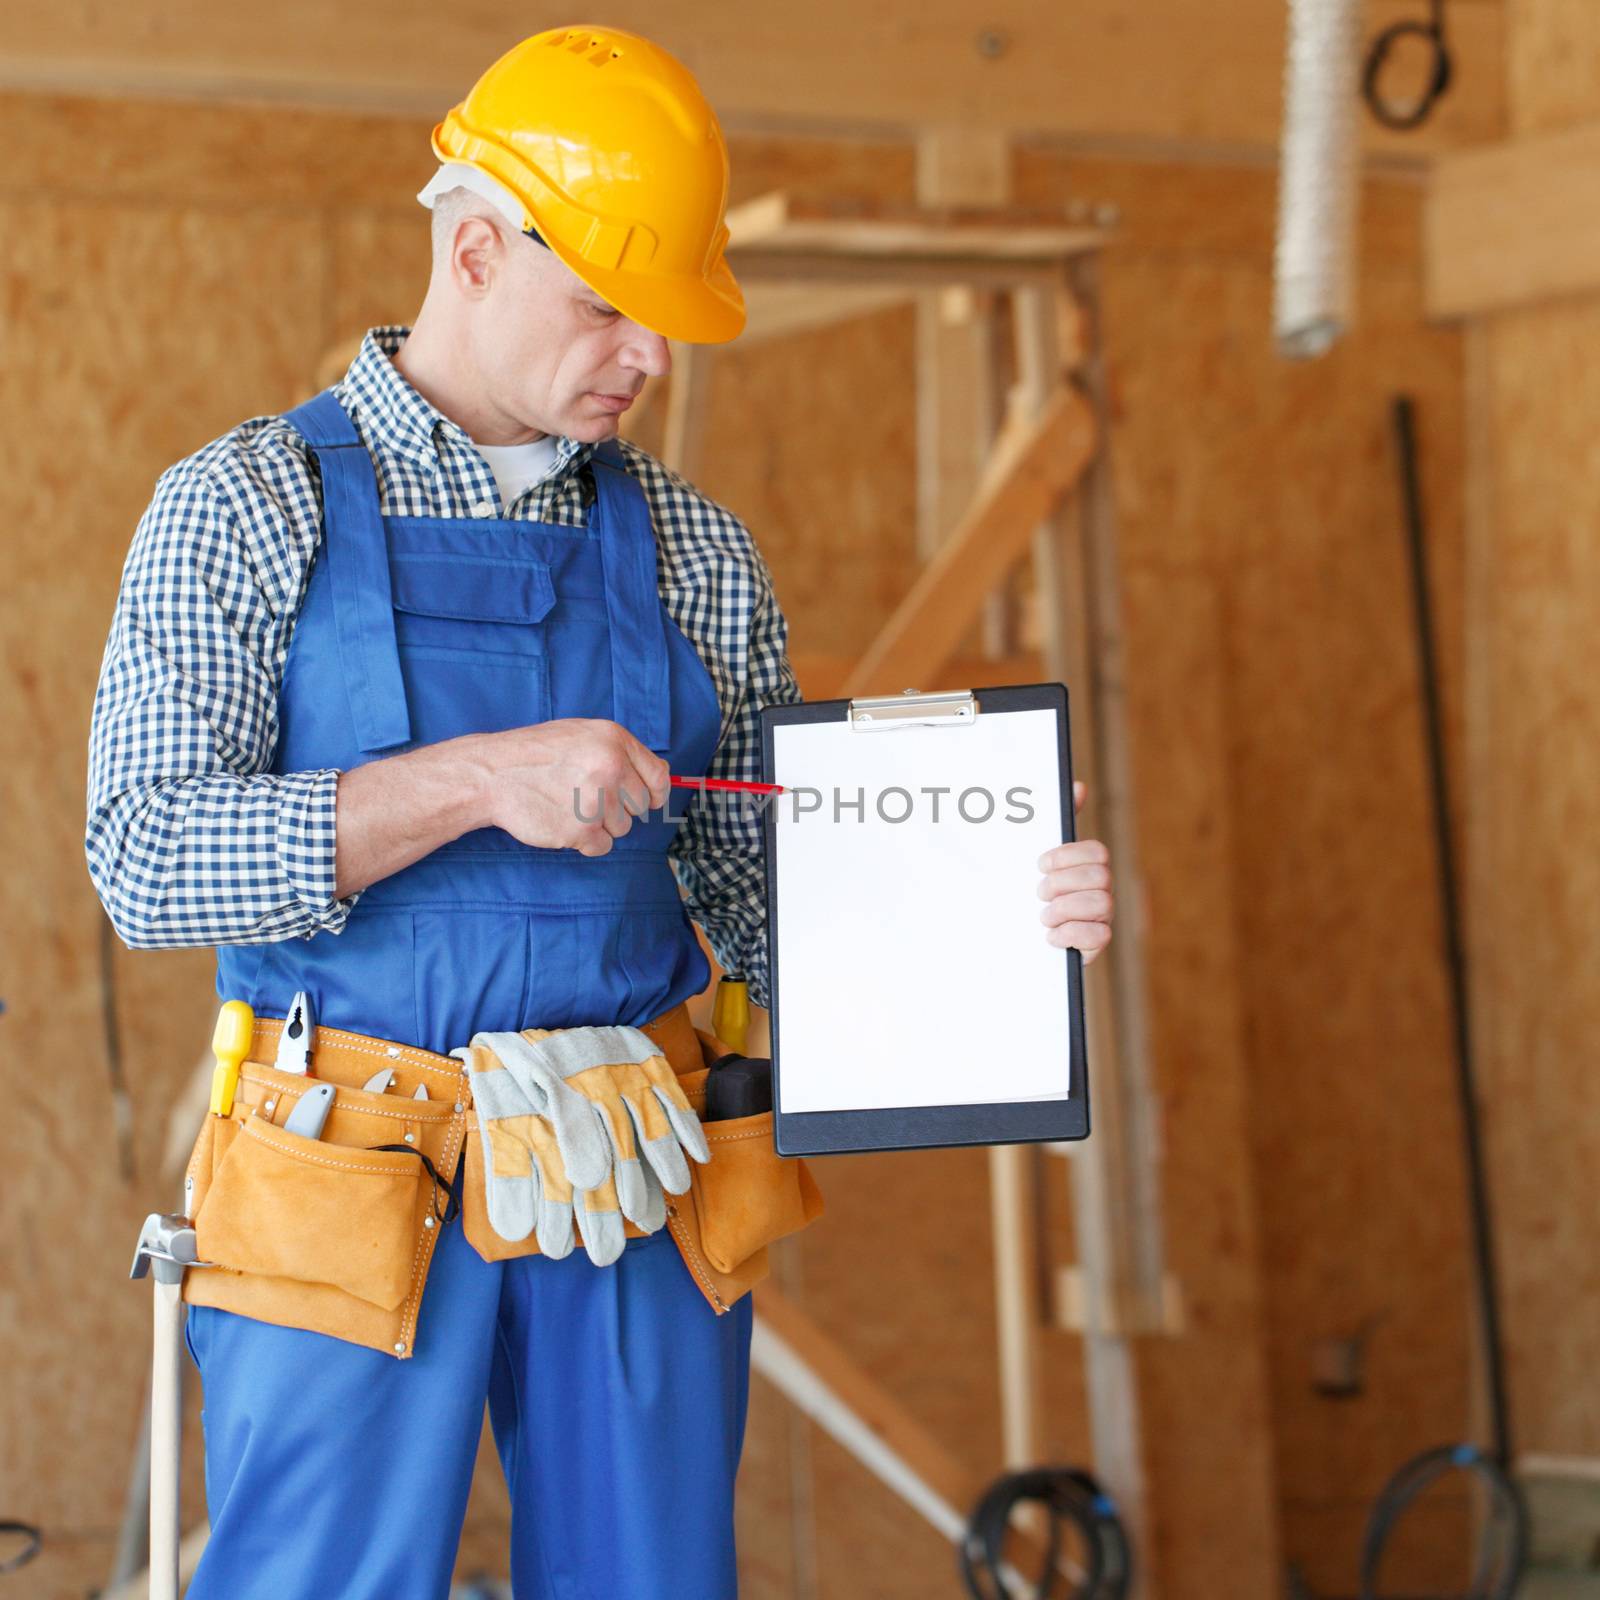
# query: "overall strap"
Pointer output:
{"type": "Point", "coordinates": [358, 572]}
{"type": "Point", "coordinates": [641, 699]}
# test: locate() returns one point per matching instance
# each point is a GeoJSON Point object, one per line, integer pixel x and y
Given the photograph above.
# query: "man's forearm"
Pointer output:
{"type": "Point", "coordinates": [395, 811]}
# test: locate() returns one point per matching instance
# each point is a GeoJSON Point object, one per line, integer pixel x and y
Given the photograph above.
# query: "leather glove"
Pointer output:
{"type": "Point", "coordinates": [609, 1115]}
{"type": "Point", "coordinates": [528, 1188]}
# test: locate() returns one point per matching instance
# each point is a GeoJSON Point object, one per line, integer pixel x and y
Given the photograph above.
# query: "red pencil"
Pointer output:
{"type": "Point", "coordinates": [726, 783]}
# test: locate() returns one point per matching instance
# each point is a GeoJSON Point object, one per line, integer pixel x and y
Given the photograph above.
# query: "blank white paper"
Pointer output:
{"type": "Point", "coordinates": [913, 968]}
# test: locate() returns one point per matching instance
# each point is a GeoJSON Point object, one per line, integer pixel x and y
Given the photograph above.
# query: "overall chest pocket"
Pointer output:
{"type": "Point", "coordinates": [473, 642]}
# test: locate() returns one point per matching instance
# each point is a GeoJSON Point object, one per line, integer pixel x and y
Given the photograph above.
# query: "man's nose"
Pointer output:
{"type": "Point", "coordinates": [648, 352]}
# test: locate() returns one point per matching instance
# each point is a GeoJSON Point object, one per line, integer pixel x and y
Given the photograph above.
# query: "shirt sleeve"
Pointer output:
{"type": "Point", "coordinates": [190, 840]}
{"type": "Point", "coordinates": [717, 851]}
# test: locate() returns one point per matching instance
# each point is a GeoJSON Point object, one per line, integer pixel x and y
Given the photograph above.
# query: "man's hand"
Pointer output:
{"type": "Point", "coordinates": [1076, 890]}
{"type": "Point", "coordinates": [575, 783]}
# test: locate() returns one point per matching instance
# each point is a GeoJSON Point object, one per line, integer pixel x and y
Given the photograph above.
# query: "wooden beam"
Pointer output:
{"type": "Point", "coordinates": [1513, 223]}
{"type": "Point", "coordinates": [780, 310]}
{"type": "Point", "coordinates": [1161, 71]}
{"type": "Point", "coordinates": [754, 265]}
{"type": "Point", "coordinates": [817, 1374]}
{"type": "Point", "coordinates": [808, 226]}
{"type": "Point", "coordinates": [1036, 459]}
{"type": "Point", "coordinates": [882, 1415]}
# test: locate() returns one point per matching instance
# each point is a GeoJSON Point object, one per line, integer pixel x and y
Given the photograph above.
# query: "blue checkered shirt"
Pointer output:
{"type": "Point", "coordinates": [193, 841]}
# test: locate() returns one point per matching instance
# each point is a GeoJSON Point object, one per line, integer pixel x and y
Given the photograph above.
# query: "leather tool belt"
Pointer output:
{"type": "Point", "coordinates": [336, 1234]}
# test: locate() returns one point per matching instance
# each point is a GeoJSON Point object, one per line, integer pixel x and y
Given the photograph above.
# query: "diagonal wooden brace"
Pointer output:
{"type": "Point", "coordinates": [1035, 462]}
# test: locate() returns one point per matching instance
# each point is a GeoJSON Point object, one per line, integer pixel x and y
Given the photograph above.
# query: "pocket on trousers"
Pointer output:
{"type": "Point", "coordinates": [748, 1195]}
{"type": "Point", "coordinates": [282, 1206]}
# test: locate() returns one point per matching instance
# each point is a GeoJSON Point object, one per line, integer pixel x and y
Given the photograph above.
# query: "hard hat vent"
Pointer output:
{"type": "Point", "coordinates": [596, 51]}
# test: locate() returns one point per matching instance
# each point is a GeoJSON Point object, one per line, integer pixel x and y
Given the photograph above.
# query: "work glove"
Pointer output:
{"type": "Point", "coordinates": [581, 1127]}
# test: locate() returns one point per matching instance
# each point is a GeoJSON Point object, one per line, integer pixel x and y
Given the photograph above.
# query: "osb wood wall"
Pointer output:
{"type": "Point", "coordinates": [170, 270]}
{"type": "Point", "coordinates": [1534, 738]}
{"type": "Point", "coordinates": [1261, 534]}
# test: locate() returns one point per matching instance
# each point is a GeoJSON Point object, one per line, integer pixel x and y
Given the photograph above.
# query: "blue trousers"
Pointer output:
{"type": "Point", "coordinates": [617, 1398]}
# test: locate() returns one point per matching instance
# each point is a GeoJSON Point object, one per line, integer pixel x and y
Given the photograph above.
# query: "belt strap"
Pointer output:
{"type": "Point", "coordinates": [672, 1032]}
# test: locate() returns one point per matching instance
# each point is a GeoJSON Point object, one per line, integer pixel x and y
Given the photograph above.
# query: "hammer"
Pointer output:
{"type": "Point", "coordinates": [166, 1247]}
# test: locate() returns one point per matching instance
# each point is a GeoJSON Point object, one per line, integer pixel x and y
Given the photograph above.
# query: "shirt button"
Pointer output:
{"type": "Point", "coordinates": [485, 508]}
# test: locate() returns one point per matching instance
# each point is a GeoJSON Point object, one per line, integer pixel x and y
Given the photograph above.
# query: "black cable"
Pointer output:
{"type": "Point", "coordinates": [452, 1205]}
{"type": "Point", "coordinates": [1500, 1562]}
{"type": "Point", "coordinates": [33, 1541]}
{"type": "Point", "coordinates": [1439, 73]}
{"type": "Point", "coordinates": [1487, 1278]}
{"type": "Point", "coordinates": [1071, 1498]}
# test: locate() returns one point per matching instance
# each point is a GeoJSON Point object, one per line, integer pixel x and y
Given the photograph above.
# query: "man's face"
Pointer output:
{"type": "Point", "coordinates": [554, 356]}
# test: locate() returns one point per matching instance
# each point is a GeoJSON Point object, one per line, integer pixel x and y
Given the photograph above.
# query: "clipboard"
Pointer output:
{"type": "Point", "coordinates": [914, 1000]}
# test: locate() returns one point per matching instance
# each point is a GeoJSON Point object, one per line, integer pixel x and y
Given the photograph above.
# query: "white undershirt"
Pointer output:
{"type": "Point", "coordinates": [517, 467]}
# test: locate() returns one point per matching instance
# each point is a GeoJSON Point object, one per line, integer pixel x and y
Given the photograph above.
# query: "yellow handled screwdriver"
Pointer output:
{"type": "Point", "coordinates": [730, 1012]}
{"type": "Point", "coordinates": [236, 1027]}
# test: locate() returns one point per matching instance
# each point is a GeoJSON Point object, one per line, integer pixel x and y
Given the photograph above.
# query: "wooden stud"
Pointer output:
{"type": "Point", "coordinates": [687, 394]}
{"type": "Point", "coordinates": [958, 405]}
{"type": "Point", "coordinates": [1115, 1175]}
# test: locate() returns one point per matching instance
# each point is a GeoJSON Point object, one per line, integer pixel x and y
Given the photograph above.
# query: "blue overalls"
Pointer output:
{"type": "Point", "coordinates": [617, 1395]}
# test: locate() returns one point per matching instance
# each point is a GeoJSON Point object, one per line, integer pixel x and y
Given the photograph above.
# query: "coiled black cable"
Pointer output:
{"type": "Point", "coordinates": [1503, 1536]}
{"type": "Point", "coordinates": [1439, 71]}
{"type": "Point", "coordinates": [1071, 1498]}
{"type": "Point", "coordinates": [32, 1541]}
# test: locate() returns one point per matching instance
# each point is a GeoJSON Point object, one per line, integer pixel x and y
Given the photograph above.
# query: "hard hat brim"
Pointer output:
{"type": "Point", "coordinates": [706, 310]}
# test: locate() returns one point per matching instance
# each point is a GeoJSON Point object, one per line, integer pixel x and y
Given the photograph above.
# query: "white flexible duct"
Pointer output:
{"type": "Point", "coordinates": [1314, 290]}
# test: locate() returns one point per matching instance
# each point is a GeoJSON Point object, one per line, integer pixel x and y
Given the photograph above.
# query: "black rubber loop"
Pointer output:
{"type": "Point", "coordinates": [33, 1542]}
{"type": "Point", "coordinates": [1439, 76]}
{"type": "Point", "coordinates": [1507, 1509]}
{"type": "Point", "coordinates": [1071, 1497]}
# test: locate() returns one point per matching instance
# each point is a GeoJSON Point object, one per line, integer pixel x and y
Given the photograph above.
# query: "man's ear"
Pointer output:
{"type": "Point", "coordinates": [476, 255]}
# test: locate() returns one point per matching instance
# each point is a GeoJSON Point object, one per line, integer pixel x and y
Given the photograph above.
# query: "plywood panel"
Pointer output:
{"type": "Point", "coordinates": [1552, 64]}
{"type": "Point", "coordinates": [830, 489]}
{"type": "Point", "coordinates": [1204, 1396]}
{"type": "Point", "coordinates": [132, 334]}
{"type": "Point", "coordinates": [379, 267]}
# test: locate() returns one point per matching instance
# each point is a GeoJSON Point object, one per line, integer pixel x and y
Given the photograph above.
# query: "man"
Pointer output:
{"type": "Point", "coordinates": [392, 685]}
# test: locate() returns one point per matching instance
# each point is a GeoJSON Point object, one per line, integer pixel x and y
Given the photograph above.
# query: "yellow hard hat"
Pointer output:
{"type": "Point", "coordinates": [620, 164]}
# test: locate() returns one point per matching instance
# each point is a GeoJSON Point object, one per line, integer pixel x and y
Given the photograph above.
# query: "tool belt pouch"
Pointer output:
{"type": "Point", "coordinates": [747, 1195]}
{"type": "Point", "coordinates": [333, 1234]}
{"type": "Point", "coordinates": [738, 1203]}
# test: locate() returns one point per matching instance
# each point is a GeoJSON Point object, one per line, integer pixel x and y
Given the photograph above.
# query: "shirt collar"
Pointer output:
{"type": "Point", "coordinates": [398, 418]}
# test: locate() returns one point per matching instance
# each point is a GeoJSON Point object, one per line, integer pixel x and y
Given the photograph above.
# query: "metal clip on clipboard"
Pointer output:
{"type": "Point", "coordinates": [912, 709]}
